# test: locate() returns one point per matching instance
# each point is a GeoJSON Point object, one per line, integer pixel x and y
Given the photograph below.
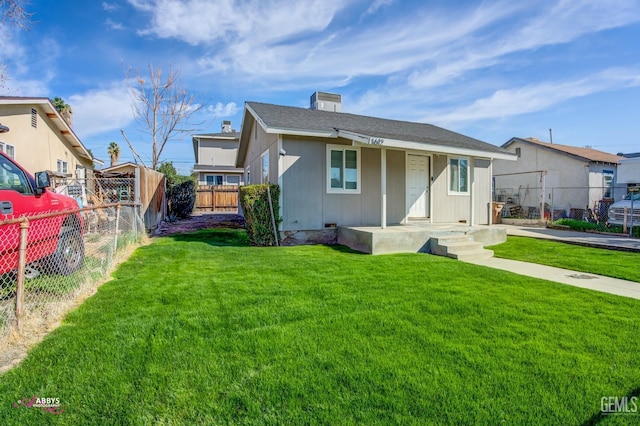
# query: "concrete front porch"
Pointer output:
{"type": "Point", "coordinates": [415, 237]}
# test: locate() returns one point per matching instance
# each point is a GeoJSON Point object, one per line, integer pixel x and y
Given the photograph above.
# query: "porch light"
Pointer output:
{"type": "Point", "coordinates": [3, 128]}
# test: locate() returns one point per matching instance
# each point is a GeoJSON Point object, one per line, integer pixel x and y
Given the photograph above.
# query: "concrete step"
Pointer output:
{"type": "Point", "coordinates": [450, 238]}
{"type": "Point", "coordinates": [462, 246]}
{"type": "Point", "coordinates": [459, 246]}
{"type": "Point", "coordinates": [467, 256]}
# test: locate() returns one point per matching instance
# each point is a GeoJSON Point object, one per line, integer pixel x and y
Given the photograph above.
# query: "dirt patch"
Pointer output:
{"type": "Point", "coordinates": [200, 221]}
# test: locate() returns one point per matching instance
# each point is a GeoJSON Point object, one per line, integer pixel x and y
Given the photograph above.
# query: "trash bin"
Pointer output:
{"type": "Point", "coordinates": [496, 211]}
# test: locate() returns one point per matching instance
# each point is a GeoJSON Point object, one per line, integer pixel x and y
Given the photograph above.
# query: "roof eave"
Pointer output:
{"type": "Point", "coordinates": [375, 142]}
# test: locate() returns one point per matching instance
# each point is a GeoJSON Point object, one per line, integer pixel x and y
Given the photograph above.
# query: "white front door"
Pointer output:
{"type": "Point", "coordinates": [418, 186]}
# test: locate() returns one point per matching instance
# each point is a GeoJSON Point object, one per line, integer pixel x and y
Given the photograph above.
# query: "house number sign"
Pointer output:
{"type": "Point", "coordinates": [376, 141]}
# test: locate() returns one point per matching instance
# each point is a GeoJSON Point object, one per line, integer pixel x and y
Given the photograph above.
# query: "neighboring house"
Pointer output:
{"type": "Point", "coordinates": [40, 139]}
{"type": "Point", "coordinates": [215, 155]}
{"type": "Point", "coordinates": [629, 171]}
{"type": "Point", "coordinates": [338, 169]}
{"type": "Point", "coordinates": [565, 178]}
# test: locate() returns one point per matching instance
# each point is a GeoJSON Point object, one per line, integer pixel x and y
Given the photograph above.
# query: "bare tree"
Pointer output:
{"type": "Point", "coordinates": [13, 14]}
{"type": "Point", "coordinates": [162, 107]}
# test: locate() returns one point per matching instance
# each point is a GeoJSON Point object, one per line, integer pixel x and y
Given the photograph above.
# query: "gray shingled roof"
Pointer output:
{"type": "Point", "coordinates": [303, 119]}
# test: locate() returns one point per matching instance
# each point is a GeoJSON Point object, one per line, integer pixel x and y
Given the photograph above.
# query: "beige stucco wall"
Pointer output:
{"type": "Point", "coordinates": [37, 148]}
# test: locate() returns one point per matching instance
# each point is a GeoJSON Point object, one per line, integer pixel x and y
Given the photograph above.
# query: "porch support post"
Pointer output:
{"type": "Point", "coordinates": [472, 192]}
{"type": "Point", "coordinates": [383, 187]}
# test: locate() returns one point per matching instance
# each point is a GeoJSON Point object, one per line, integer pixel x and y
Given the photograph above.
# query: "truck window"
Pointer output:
{"type": "Point", "coordinates": [11, 177]}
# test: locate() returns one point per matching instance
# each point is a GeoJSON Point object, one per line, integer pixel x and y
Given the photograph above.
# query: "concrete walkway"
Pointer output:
{"type": "Point", "coordinates": [565, 276]}
{"type": "Point", "coordinates": [615, 242]}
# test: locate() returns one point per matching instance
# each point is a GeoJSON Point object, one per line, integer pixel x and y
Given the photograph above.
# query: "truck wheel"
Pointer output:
{"type": "Point", "coordinates": [69, 255]}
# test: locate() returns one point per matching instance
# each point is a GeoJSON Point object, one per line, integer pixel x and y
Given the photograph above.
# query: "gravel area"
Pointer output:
{"type": "Point", "coordinates": [199, 221]}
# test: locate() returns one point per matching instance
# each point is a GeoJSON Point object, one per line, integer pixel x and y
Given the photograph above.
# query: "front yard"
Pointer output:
{"type": "Point", "coordinates": [203, 329]}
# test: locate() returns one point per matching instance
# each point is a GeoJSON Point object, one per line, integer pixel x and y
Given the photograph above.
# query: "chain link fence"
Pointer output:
{"type": "Point", "coordinates": [97, 191]}
{"type": "Point", "coordinates": [589, 204]}
{"type": "Point", "coordinates": [49, 261]}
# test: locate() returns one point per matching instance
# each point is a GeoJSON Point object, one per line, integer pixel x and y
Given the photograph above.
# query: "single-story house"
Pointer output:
{"type": "Point", "coordinates": [40, 139]}
{"type": "Point", "coordinates": [215, 155]}
{"type": "Point", "coordinates": [337, 169]}
{"type": "Point", "coordinates": [553, 176]}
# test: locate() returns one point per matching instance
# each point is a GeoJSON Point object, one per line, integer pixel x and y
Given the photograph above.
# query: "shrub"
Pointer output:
{"type": "Point", "coordinates": [181, 199]}
{"type": "Point", "coordinates": [580, 225]}
{"type": "Point", "coordinates": [257, 214]}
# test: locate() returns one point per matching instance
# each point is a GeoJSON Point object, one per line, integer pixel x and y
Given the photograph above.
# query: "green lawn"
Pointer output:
{"type": "Point", "coordinates": [611, 263]}
{"type": "Point", "coordinates": [202, 329]}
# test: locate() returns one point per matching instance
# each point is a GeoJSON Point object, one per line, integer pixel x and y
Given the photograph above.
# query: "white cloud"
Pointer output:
{"type": "Point", "coordinates": [566, 21]}
{"type": "Point", "coordinates": [111, 24]}
{"type": "Point", "coordinates": [536, 97]}
{"type": "Point", "coordinates": [109, 7]}
{"type": "Point", "coordinates": [223, 110]}
{"type": "Point", "coordinates": [378, 4]}
{"type": "Point", "coordinates": [101, 110]}
{"type": "Point", "coordinates": [346, 52]}
{"type": "Point", "coordinates": [412, 61]}
{"type": "Point", "coordinates": [19, 63]}
{"type": "Point", "coordinates": [202, 21]}
{"type": "Point", "coordinates": [291, 43]}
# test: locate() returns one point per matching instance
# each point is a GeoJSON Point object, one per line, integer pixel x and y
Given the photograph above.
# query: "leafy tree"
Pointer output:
{"type": "Point", "coordinates": [181, 191]}
{"type": "Point", "coordinates": [162, 107]}
{"type": "Point", "coordinates": [64, 109]}
{"type": "Point", "coordinates": [114, 153]}
{"type": "Point", "coordinates": [173, 178]}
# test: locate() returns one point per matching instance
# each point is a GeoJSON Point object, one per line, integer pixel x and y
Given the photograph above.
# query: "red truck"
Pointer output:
{"type": "Point", "coordinates": [55, 243]}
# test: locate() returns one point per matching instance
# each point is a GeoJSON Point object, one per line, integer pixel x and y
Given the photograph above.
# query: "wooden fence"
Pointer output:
{"type": "Point", "coordinates": [217, 198]}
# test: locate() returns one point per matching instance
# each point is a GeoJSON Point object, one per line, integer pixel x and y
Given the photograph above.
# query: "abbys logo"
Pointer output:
{"type": "Point", "coordinates": [616, 405]}
{"type": "Point", "coordinates": [50, 405]}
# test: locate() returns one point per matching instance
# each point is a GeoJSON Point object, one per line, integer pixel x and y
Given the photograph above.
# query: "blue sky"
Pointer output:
{"type": "Point", "coordinates": [491, 70]}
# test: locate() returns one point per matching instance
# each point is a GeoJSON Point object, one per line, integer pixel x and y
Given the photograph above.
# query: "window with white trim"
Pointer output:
{"type": "Point", "coordinates": [233, 180]}
{"type": "Point", "coordinates": [62, 166]}
{"type": "Point", "coordinates": [214, 179]}
{"type": "Point", "coordinates": [10, 150]}
{"type": "Point", "coordinates": [459, 175]}
{"type": "Point", "coordinates": [343, 169]}
{"type": "Point", "coordinates": [265, 167]}
{"type": "Point", "coordinates": [607, 183]}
